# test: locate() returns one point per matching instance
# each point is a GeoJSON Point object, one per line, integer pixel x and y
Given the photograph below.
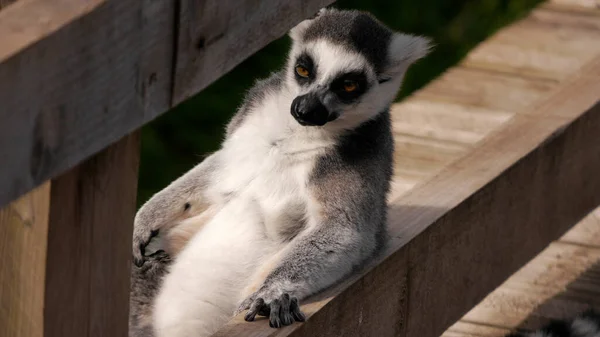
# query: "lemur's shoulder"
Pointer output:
{"type": "Point", "coordinates": [254, 96]}
{"type": "Point", "coordinates": [366, 150]}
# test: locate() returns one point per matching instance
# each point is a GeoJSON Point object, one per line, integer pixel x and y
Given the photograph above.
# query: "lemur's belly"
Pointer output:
{"type": "Point", "coordinates": [204, 285]}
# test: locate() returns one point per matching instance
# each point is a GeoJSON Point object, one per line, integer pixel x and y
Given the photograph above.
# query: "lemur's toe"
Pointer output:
{"type": "Point", "coordinates": [255, 308]}
{"type": "Point", "coordinates": [274, 319]}
{"type": "Point", "coordinates": [284, 314]}
{"type": "Point", "coordinates": [295, 310]}
{"type": "Point", "coordinates": [140, 241]}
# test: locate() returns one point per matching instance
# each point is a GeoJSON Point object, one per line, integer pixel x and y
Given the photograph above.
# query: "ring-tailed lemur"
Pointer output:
{"type": "Point", "coordinates": [295, 199]}
{"type": "Point", "coordinates": [585, 325]}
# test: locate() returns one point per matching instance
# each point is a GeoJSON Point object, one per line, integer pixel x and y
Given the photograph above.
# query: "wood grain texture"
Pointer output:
{"type": "Point", "coordinates": [215, 36]}
{"type": "Point", "coordinates": [5, 3]}
{"type": "Point", "coordinates": [69, 94]}
{"type": "Point", "coordinates": [102, 68]}
{"type": "Point", "coordinates": [23, 232]}
{"type": "Point", "coordinates": [547, 46]}
{"type": "Point", "coordinates": [89, 245]}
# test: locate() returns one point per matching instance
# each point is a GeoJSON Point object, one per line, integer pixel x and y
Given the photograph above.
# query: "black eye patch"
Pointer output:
{"type": "Point", "coordinates": [357, 81]}
{"type": "Point", "coordinates": [306, 62]}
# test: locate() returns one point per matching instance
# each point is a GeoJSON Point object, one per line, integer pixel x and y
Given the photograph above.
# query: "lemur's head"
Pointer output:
{"type": "Point", "coordinates": [346, 67]}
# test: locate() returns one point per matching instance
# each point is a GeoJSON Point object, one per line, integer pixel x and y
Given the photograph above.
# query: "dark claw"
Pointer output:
{"type": "Point", "coordinates": [281, 312]}
{"type": "Point", "coordinates": [295, 310]}
{"type": "Point", "coordinates": [138, 257]}
{"type": "Point", "coordinates": [255, 308]}
{"type": "Point", "coordinates": [274, 320]}
{"type": "Point", "coordinates": [284, 314]}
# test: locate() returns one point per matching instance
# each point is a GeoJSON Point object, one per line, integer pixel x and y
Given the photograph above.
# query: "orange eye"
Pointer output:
{"type": "Point", "coordinates": [303, 72]}
{"type": "Point", "coordinates": [350, 86]}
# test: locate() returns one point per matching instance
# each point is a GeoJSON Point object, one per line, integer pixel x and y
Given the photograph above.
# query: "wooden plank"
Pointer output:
{"type": "Point", "coordinates": [215, 36]}
{"type": "Point", "coordinates": [23, 232]}
{"type": "Point", "coordinates": [589, 6]}
{"type": "Point", "coordinates": [89, 245]}
{"type": "Point", "coordinates": [5, 3]}
{"type": "Point", "coordinates": [467, 229]}
{"type": "Point", "coordinates": [588, 231]}
{"type": "Point", "coordinates": [547, 47]}
{"type": "Point", "coordinates": [493, 90]}
{"type": "Point", "coordinates": [544, 288]}
{"type": "Point", "coordinates": [467, 329]}
{"type": "Point", "coordinates": [445, 121]}
{"type": "Point", "coordinates": [102, 68]}
{"type": "Point", "coordinates": [84, 72]}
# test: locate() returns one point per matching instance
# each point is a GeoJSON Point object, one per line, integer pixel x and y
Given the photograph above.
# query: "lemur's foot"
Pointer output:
{"type": "Point", "coordinates": [281, 311]}
{"type": "Point", "coordinates": [141, 239]}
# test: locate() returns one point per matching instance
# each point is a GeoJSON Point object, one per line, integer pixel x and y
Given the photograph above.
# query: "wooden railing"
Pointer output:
{"type": "Point", "coordinates": [78, 78]}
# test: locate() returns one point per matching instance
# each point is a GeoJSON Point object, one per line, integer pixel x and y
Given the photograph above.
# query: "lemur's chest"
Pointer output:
{"type": "Point", "coordinates": [273, 168]}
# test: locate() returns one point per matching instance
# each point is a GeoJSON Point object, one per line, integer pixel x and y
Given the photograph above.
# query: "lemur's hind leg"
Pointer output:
{"type": "Point", "coordinates": [145, 282]}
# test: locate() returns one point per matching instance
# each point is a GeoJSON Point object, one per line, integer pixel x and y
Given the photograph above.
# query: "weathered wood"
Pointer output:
{"type": "Point", "coordinates": [215, 36]}
{"type": "Point", "coordinates": [492, 90]}
{"type": "Point", "coordinates": [588, 6]}
{"type": "Point", "coordinates": [5, 3]}
{"type": "Point", "coordinates": [23, 232]}
{"type": "Point", "coordinates": [588, 233]}
{"type": "Point", "coordinates": [68, 87]}
{"type": "Point", "coordinates": [103, 68]}
{"type": "Point", "coordinates": [547, 46]}
{"type": "Point", "coordinates": [89, 245]}
{"type": "Point", "coordinates": [537, 288]}
{"type": "Point", "coordinates": [461, 233]}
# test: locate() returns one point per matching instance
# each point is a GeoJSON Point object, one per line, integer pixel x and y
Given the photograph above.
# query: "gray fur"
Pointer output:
{"type": "Point", "coordinates": [145, 281]}
{"type": "Point", "coordinates": [357, 30]}
{"type": "Point", "coordinates": [169, 205]}
{"type": "Point", "coordinates": [585, 325]}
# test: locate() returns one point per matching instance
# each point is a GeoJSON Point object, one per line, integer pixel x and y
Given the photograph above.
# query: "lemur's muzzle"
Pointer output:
{"type": "Point", "coordinates": [309, 111]}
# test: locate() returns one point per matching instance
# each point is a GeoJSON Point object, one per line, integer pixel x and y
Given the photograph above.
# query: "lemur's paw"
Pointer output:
{"type": "Point", "coordinates": [141, 239]}
{"type": "Point", "coordinates": [154, 262]}
{"type": "Point", "coordinates": [281, 311]}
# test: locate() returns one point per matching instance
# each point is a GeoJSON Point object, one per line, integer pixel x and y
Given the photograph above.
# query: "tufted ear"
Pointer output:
{"type": "Point", "coordinates": [297, 32]}
{"type": "Point", "coordinates": [403, 51]}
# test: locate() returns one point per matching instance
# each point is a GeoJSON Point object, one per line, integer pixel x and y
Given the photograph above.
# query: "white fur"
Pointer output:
{"type": "Point", "coordinates": [265, 164]}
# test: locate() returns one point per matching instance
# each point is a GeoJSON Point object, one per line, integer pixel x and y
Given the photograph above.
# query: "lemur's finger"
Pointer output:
{"type": "Point", "coordinates": [254, 309]}
{"type": "Point", "coordinates": [140, 240]}
{"type": "Point", "coordinates": [284, 313]}
{"type": "Point", "coordinates": [274, 320]}
{"type": "Point", "coordinates": [295, 310]}
{"type": "Point", "coordinates": [138, 254]}
{"type": "Point", "coordinates": [265, 311]}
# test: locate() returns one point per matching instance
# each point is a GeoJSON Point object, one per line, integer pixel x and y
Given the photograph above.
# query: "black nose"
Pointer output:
{"type": "Point", "coordinates": [308, 110]}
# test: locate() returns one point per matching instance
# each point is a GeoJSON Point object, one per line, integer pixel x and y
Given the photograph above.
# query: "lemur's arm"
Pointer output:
{"type": "Point", "coordinates": [182, 199]}
{"type": "Point", "coordinates": [344, 230]}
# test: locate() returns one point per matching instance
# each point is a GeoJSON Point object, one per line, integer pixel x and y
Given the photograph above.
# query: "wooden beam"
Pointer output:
{"type": "Point", "coordinates": [67, 250]}
{"type": "Point", "coordinates": [68, 85]}
{"type": "Point", "coordinates": [76, 76]}
{"type": "Point", "coordinates": [23, 232]}
{"type": "Point", "coordinates": [461, 234]}
{"type": "Point", "coordinates": [215, 36]}
{"type": "Point", "coordinates": [89, 244]}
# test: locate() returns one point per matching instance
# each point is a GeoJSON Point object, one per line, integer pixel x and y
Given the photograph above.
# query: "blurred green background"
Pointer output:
{"type": "Point", "coordinates": [175, 142]}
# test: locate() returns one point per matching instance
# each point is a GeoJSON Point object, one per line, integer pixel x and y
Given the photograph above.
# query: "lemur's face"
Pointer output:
{"type": "Point", "coordinates": [330, 81]}
{"type": "Point", "coordinates": [346, 67]}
